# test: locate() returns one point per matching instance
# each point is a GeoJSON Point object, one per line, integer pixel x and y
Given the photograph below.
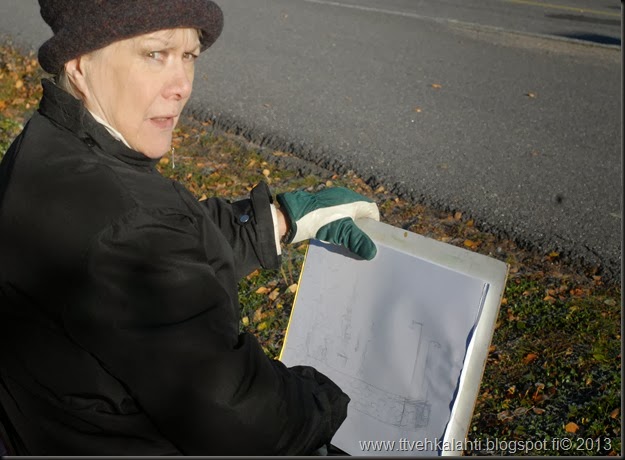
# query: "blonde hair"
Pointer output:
{"type": "Point", "coordinates": [62, 81]}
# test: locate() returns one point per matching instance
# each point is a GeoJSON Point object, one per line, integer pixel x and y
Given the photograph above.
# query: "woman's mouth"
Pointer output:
{"type": "Point", "coordinates": [163, 122]}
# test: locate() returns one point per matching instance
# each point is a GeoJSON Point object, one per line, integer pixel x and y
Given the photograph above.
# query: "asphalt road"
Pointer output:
{"type": "Point", "coordinates": [507, 110]}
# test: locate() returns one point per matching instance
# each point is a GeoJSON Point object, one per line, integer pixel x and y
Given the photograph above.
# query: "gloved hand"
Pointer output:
{"type": "Point", "coordinates": [329, 216]}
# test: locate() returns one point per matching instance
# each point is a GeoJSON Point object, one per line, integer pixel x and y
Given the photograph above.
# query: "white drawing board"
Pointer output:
{"type": "Point", "coordinates": [405, 335]}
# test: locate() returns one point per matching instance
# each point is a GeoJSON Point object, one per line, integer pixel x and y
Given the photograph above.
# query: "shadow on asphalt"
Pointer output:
{"type": "Point", "coordinates": [594, 38]}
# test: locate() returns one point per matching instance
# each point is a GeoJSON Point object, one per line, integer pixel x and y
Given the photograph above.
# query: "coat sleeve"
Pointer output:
{"type": "Point", "coordinates": [248, 227]}
{"type": "Point", "coordinates": [158, 318]}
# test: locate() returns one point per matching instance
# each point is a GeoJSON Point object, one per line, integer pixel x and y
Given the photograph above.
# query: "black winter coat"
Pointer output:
{"type": "Point", "coordinates": [119, 313]}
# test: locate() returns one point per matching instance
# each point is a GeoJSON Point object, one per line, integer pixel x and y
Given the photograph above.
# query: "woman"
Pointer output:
{"type": "Point", "coordinates": [118, 289]}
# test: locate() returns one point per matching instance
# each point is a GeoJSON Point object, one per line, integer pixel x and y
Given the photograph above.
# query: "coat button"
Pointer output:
{"type": "Point", "coordinates": [244, 218]}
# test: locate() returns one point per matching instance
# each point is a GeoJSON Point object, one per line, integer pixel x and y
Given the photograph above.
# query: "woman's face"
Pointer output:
{"type": "Point", "coordinates": [140, 85]}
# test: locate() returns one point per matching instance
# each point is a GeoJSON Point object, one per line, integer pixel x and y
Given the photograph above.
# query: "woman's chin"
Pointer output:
{"type": "Point", "coordinates": [155, 150]}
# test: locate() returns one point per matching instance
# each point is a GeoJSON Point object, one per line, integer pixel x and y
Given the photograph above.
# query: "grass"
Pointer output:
{"type": "Point", "coordinates": [554, 366]}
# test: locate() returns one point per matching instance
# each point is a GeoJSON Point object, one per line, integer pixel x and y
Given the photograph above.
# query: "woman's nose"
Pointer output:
{"type": "Point", "coordinates": [180, 82]}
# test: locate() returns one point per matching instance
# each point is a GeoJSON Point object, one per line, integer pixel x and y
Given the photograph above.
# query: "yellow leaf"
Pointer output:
{"type": "Point", "coordinates": [417, 109]}
{"type": "Point", "coordinates": [292, 288]}
{"type": "Point", "coordinates": [245, 320]}
{"type": "Point", "coordinates": [164, 161]}
{"type": "Point", "coordinates": [262, 290]}
{"type": "Point", "coordinates": [274, 294]}
{"type": "Point", "coordinates": [471, 244]}
{"type": "Point", "coordinates": [262, 326]}
{"type": "Point", "coordinates": [512, 390]}
{"type": "Point", "coordinates": [266, 172]}
{"type": "Point", "coordinates": [19, 84]}
{"type": "Point", "coordinates": [571, 427]}
{"type": "Point", "coordinates": [203, 197]}
{"type": "Point", "coordinates": [436, 86]}
{"type": "Point", "coordinates": [258, 315]}
{"type": "Point", "coordinates": [329, 183]}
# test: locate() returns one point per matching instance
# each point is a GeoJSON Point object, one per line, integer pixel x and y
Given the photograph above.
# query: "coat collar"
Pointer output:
{"type": "Point", "coordinates": [67, 111]}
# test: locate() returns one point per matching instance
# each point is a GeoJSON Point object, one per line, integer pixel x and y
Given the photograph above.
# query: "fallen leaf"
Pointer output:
{"type": "Point", "coordinates": [549, 299]}
{"type": "Point", "coordinates": [530, 357]}
{"type": "Point", "coordinates": [203, 197]}
{"type": "Point", "coordinates": [274, 294]}
{"type": "Point", "coordinates": [471, 244]}
{"type": "Point", "coordinates": [538, 411]}
{"type": "Point", "coordinates": [266, 172]}
{"type": "Point", "coordinates": [258, 315]}
{"type": "Point", "coordinates": [19, 84]}
{"type": "Point", "coordinates": [262, 326]}
{"type": "Point", "coordinates": [417, 109]}
{"type": "Point", "coordinates": [615, 413]}
{"type": "Point", "coordinates": [520, 411]}
{"type": "Point", "coordinates": [531, 95]}
{"type": "Point", "coordinates": [458, 215]}
{"type": "Point", "coordinates": [164, 161]}
{"type": "Point", "coordinates": [292, 288]}
{"type": "Point", "coordinates": [436, 86]}
{"type": "Point", "coordinates": [262, 290]}
{"type": "Point", "coordinates": [571, 427]}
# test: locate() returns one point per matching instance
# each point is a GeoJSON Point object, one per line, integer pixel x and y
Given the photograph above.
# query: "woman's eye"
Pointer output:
{"type": "Point", "coordinates": [155, 55]}
{"type": "Point", "coordinates": [190, 56]}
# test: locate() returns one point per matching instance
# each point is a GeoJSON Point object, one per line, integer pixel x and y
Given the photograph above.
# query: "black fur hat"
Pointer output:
{"type": "Point", "coordinates": [82, 26]}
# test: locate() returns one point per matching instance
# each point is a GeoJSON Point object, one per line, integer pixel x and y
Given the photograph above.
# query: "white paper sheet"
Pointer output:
{"type": "Point", "coordinates": [393, 333]}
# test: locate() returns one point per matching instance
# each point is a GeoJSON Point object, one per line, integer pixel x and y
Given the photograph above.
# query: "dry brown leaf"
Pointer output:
{"type": "Point", "coordinates": [19, 84]}
{"type": "Point", "coordinates": [549, 299]}
{"type": "Point", "coordinates": [258, 315]}
{"type": "Point", "coordinates": [262, 290]}
{"type": "Point", "coordinates": [615, 413]}
{"type": "Point", "coordinates": [530, 357]}
{"type": "Point", "coordinates": [436, 86]}
{"type": "Point", "coordinates": [458, 215]}
{"type": "Point", "coordinates": [292, 288]}
{"type": "Point", "coordinates": [538, 411]}
{"type": "Point", "coordinates": [417, 109]}
{"type": "Point", "coordinates": [531, 95]}
{"type": "Point", "coordinates": [571, 427]}
{"type": "Point", "coordinates": [266, 172]}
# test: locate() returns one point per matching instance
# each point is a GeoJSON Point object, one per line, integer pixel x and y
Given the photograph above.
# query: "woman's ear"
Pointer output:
{"type": "Point", "coordinates": [75, 71]}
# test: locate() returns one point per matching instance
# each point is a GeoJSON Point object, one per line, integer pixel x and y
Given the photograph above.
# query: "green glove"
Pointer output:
{"type": "Point", "coordinates": [329, 216]}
